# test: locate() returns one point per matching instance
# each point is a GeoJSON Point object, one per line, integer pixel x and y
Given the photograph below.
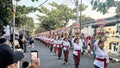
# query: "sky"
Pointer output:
{"type": "Point", "coordinates": [88, 12]}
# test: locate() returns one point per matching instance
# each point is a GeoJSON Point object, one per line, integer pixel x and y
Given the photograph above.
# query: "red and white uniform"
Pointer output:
{"type": "Point", "coordinates": [52, 41]}
{"type": "Point", "coordinates": [101, 57]}
{"type": "Point", "coordinates": [55, 42]}
{"type": "Point", "coordinates": [55, 45]}
{"type": "Point", "coordinates": [66, 45]}
{"type": "Point", "coordinates": [59, 43]}
{"type": "Point", "coordinates": [76, 47]}
{"type": "Point", "coordinates": [77, 51]}
{"type": "Point", "coordinates": [59, 46]}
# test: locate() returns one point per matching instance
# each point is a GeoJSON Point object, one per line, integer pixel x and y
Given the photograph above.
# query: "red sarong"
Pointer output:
{"type": "Point", "coordinates": [55, 48]}
{"type": "Point", "coordinates": [78, 51]}
{"type": "Point", "coordinates": [59, 48]}
{"type": "Point", "coordinates": [104, 60]}
{"type": "Point", "coordinates": [66, 53]}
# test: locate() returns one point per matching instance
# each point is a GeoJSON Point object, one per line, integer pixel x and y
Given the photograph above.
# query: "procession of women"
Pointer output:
{"type": "Point", "coordinates": [63, 43]}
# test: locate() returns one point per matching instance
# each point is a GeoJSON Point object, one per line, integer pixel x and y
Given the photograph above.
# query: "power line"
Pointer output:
{"type": "Point", "coordinates": [43, 3]}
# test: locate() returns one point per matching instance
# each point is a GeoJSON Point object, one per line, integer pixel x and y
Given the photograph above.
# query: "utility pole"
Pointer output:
{"type": "Point", "coordinates": [14, 11]}
{"type": "Point", "coordinates": [80, 16]}
{"type": "Point", "coordinates": [77, 11]}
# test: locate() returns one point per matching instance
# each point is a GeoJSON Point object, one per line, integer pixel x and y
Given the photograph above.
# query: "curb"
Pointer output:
{"type": "Point", "coordinates": [114, 60]}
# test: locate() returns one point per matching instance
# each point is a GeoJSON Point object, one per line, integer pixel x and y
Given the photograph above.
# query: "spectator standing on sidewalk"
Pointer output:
{"type": "Point", "coordinates": [7, 32]}
{"type": "Point", "coordinates": [35, 63]}
{"type": "Point", "coordinates": [21, 42]}
{"type": "Point", "coordinates": [25, 44]}
{"type": "Point", "coordinates": [2, 40]}
{"type": "Point", "coordinates": [31, 41]}
{"type": "Point", "coordinates": [25, 64]}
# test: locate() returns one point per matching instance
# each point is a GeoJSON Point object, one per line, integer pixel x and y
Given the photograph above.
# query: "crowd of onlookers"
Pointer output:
{"type": "Point", "coordinates": [10, 58]}
{"type": "Point", "coordinates": [21, 41]}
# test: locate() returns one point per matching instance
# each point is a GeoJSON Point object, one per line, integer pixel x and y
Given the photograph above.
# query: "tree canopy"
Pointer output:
{"type": "Point", "coordinates": [105, 6]}
{"type": "Point", "coordinates": [58, 16]}
{"type": "Point", "coordinates": [5, 11]}
{"type": "Point", "coordinates": [21, 15]}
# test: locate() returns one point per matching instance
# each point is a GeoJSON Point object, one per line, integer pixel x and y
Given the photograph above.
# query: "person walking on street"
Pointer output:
{"type": "Point", "coordinates": [55, 44]}
{"type": "Point", "coordinates": [21, 42]}
{"type": "Point", "coordinates": [66, 46]}
{"type": "Point", "coordinates": [59, 46]}
{"type": "Point", "coordinates": [102, 58]}
{"type": "Point", "coordinates": [51, 44]}
{"type": "Point", "coordinates": [77, 49]}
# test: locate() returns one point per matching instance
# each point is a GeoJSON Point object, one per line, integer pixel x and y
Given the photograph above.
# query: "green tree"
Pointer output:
{"type": "Point", "coordinates": [58, 16]}
{"type": "Point", "coordinates": [21, 15]}
{"type": "Point", "coordinates": [105, 6]}
{"type": "Point", "coordinates": [5, 11]}
{"type": "Point", "coordinates": [85, 19]}
{"type": "Point", "coordinates": [39, 30]}
{"type": "Point", "coordinates": [63, 12]}
{"type": "Point", "coordinates": [118, 7]}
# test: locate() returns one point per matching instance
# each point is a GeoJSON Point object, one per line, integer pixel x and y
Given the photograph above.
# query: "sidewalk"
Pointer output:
{"type": "Point", "coordinates": [114, 57]}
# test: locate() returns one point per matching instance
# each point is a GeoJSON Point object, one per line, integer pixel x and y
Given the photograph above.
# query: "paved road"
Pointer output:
{"type": "Point", "coordinates": [48, 60]}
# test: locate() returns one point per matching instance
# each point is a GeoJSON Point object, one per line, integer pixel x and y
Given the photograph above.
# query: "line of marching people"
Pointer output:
{"type": "Point", "coordinates": [57, 43]}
